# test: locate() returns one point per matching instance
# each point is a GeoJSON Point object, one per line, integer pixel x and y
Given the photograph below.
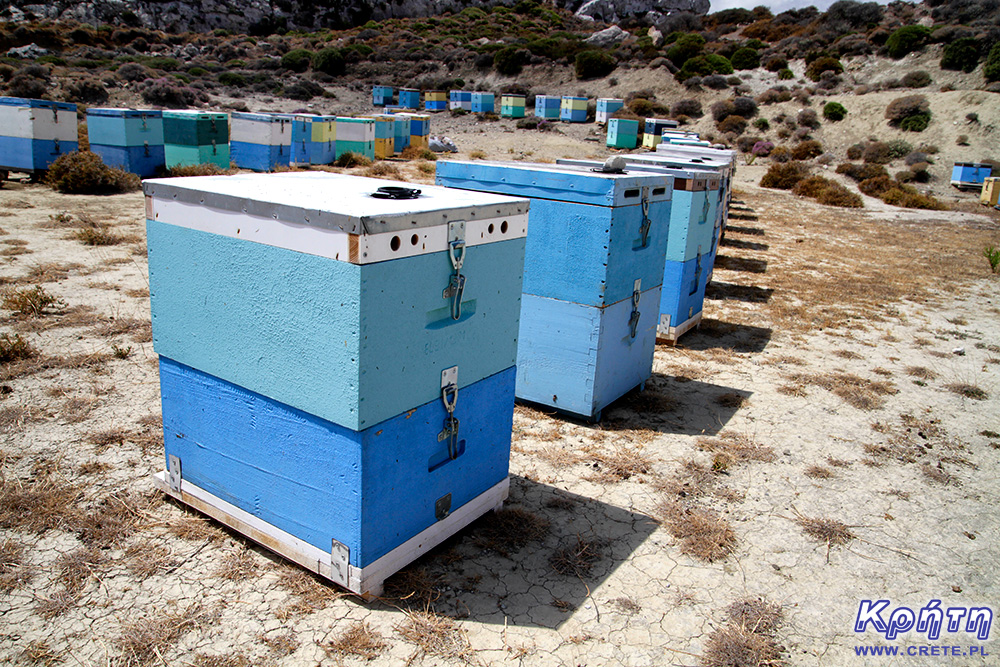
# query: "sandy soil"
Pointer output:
{"type": "Point", "coordinates": [846, 378]}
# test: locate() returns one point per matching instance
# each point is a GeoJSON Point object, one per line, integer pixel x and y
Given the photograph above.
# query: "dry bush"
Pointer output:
{"type": "Point", "coordinates": [921, 372]}
{"type": "Point", "coordinates": [113, 520]}
{"type": "Point", "coordinates": [703, 533]}
{"type": "Point", "coordinates": [350, 160]}
{"type": "Point", "coordinates": [38, 652]}
{"type": "Point", "coordinates": [577, 559]}
{"type": "Point", "coordinates": [818, 472]}
{"type": "Point", "coordinates": [856, 391]}
{"type": "Point", "coordinates": [784, 176]}
{"type": "Point", "coordinates": [238, 565]}
{"type": "Point", "coordinates": [509, 529]}
{"type": "Point", "coordinates": [756, 614]}
{"type": "Point", "coordinates": [384, 170]}
{"type": "Point", "coordinates": [145, 639]}
{"type": "Point", "coordinates": [39, 504]}
{"type": "Point", "coordinates": [427, 168]}
{"type": "Point", "coordinates": [938, 474]}
{"type": "Point", "coordinates": [415, 153]}
{"type": "Point", "coordinates": [359, 641]}
{"type": "Point", "coordinates": [736, 646]}
{"type": "Point", "coordinates": [56, 604]}
{"type": "Point", "coordinates": [83, 172]}
{"type": "Point", "coordinates": [830, 531]}
{"type": "Point", "coordinates": [207, 169]}
{"type": "Point", "coordinates": [617, 463]}
{"type": "Point", "coordinates": [29, 301]}
{"type": "Point", "coordinates": [861, 172]}
{"type": "Point", "coordinates": [229, 660]}
{"type": "Point", "coordinates": [14, 573]}
{"type": "Point", "coordinates": [96, 233]}
{"type": "Point", "coordinates": [736, 447]}
{"type": "Point", "coordinates": [807, 150]}
{"type": "Point", "coordinates": [14, 348]}
{"type": "Point", "coordinates": [146, 558]}
{"type": "Point", "coordinates": [76, 568]}
{"type": "Point", "coordinates": [436, 635]}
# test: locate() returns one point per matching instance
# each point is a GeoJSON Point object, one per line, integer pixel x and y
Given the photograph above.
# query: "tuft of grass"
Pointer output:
{"type": "Point", "coordinates": [38, 652]}
{"type": "Point", "coordinates": [856, 391]}
{"type": "Point", "coordinates": [112, 520]}
{"type": "Point", "coordinates": [238, 565]}
{"type": "Point", "coordinates": [756, 614]}
{"type": "Point", "coordinates": [577, 559]}
{"type": "Point", "coordinates": [509, 529]}
{"type": "Point", "coordinates": [992, 255]}
{"type": "Point", "coordinates": [920, 372]}
{"type": "Point", "coordinates": [736, 447]}
{"type": "Point", "coordinates": [144, 559]}
{"type": "Point", "coordinates": [731, 399]}
{"type": "Point", "coordinates": [938, 474]}
{"type": "Point", "coordinates": [14, 572]}
{"type": "Point", "coordinates": [819, 472]}
{"type": "Point", "coordinates": [618, 462]}
{"type": "Point", "coordinates": [477, 155]}
{"type": "Point", "coordinates": [627, 605]}
{"type": "Point", "coordinates": [228, 660]}
{"type": "Point", "coordinates": [414, 153]}
{"type": "Point", "coordinates": [28, 301]}
{"type": "Point", "coordinates": [834, 533]}
{"type": "Point", "coordinates": [703, 533]}
{"type": "Point", "coordinates": [76, 568]}
{"type": "Point", "coordinates": [282, 645]}
{"type": "Point", "coordinates": [207, 169]}
{"type": "Point", "coordinates": [359, 641]}
{"type": "Point", "coordinates": [56, 604]}
{"type": "Point", "coordinates": [435, 634]}
{"type": "Point", "coordinates": [425, 167]}
{"type": "Point", "coordinates": [733, 645]}
{"type": "Point", "coordinates": [144, 639]}
{"type": "Point", "coordinates": [350, 160]}
{"type": "Point", "coordinates": [967, 390]}
{"type": "Point", "coordinates": [384, 170]}
{"type": "Point", "coordinates": [97, 236]}
{"type": "Point", "coordinates": [113, 436]}
{"type": "Point", "coordinates": [15, 348]}
{"type": "Point", "coordinates": [38, 505]}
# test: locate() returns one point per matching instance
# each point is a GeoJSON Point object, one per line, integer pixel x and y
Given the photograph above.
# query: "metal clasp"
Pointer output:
{"type": "Point", "coordinates": [449, 396]}
{"type": "Point", "coordinates": [58, 151]}
{"type": "Point", "coordinates": [646, 222]}
{"type": "Point", "coordinates": [145, 148]}
{"type": "Point", "coordinates": [456, 253]}
{"type": "Point", "coordinates": [633, 320]}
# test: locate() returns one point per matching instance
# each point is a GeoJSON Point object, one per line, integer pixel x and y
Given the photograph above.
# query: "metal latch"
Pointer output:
{"type": "Point", "coordinates": [55, 114]}
{"type": "Point", "coordinates": [56, 146]}
{"type": "Point", "coordinates": [456, 253]}
{"type": "Point", "coordinates": [174, 473]}
{"type": "Point", "coordinates": [143, 117]}
{"type": "Point", "coordinates": [633, 320]}
{"type": "Point", "coordinates": [697, 272]}
{"type": "Point", "coordinates": [449, 396]}
{"type": "Point", "coordinates": [145, 148]}
{"type": "Point", "coordinates": [705, 208]}
{"type": "Point", "coordinates": [340, 563]}
{"type": "Point", "coordinates": [646, 222]}
{"type": "Point", "coordinates": [214, 150]}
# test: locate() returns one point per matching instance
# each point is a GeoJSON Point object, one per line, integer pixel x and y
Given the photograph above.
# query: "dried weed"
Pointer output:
{"type": "Point", "coordinates": [578, 558]}
{"type": "Point", "coordinates": [359, 640]}
{"type": "Point", "coordinates": [144, 640]}
{"type": "Point", "coordinates": [14, 572]}
{"type": "Point", "coordinates": [967, 390]}
{"type": "Point", "coordinates": [436, 635]}
{"type": "Point", "coordinates": [703, 533]}
{"type": "Point", "coordinates": [756, 614]}
{"type": "Point", "coordinates": [509, 529]}
{"type": "Point", "coordinates": [38, 652]}
{"type": "Point", "coordinates": [76, 568]}
{"type": "Point", "coordinates": [238, 565]}
{"type": "Point", "coordinates": [39, 504]}
{"type": "Point", "coordinates": [735, 646]}
{"type": "Point", "coordinates": [819, 472]}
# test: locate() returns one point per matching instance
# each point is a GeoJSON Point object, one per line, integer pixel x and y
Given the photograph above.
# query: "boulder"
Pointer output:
{"type": "Point", "coordinates": [27, 52]}
{"type": "Point", "coordinates": [614, 11]}
{"type": "Point", "coordinates": [607, 38]}
{"type": "Point", "coordinates": [655, 35]}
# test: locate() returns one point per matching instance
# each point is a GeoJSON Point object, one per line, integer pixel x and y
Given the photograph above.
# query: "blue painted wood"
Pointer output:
{"type": "Point", "coordinates": [259, 157]}
{"type": "Point", "coordinates": [547, 106]}
{"type": "Point", "coordinates": [302, 140]}
{"type": "Point", "coordinates": [366, 148]}
{"type": "Point", "coordinates": [36, 104]}
{"type": "Point", "coordinates": [409, 98]}
{"type": "Point", "coordinates": [370, 490]}
{"type": "Point", "coordinates": [351, 344]}
{"type": "Point", "coordinates": [125, 127]}
{"type": "Point", "coordinates": [578, 358]}
{"type": "Point", "coordinates": [19, 153]}
{"type": "Point", "coordinates": [970, 173]}
{"type": "Point", "coordinates": [146, 161]}
{"type": "Point", "coordinates": [684, 285]}
{"type": "Point", "coordinates": [195, 129]}
{"type": "Point", "coordinates": [183, 156]}
{"type": "Point", "coordinates": [383, 95]}
{"type": "Point", "coordinates": [691, 226]}
{"type": "Point", "coordinates": [483, 102]}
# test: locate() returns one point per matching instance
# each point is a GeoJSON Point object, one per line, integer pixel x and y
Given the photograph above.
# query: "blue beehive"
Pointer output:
{"type": "Point", "coordinates": [129, 139]}
{"type": "Point", "coordinates": [622, 133]}
{"type": "Point", "coordinates": [547, 106]}
{"type": "Point", "coordinates": [460, 99]}
{"type": "Point", "coordinates": [326, 389]}
{"type": "Point", "coordinates": [654, 128]}
{"type": "Point", "coordinates": [409, 98]}
{"type": "Point", "coordinates": [607, 106]}
{"type": "Point", "coordinates": [970, 175]}
{"type": "Point", "coordinates": [260, 141]}
{"type": "Point", "coordinates": [383, 95]}
{"type": "Point", "coordinates": [34, 133]}
{"type": "Point", "coordinates": [195, 137]}
{"type": "Point", "coordinates": [483, 103]}
{"type": "Point", "coordinates": [573, 109]}
{"type": "Point", "coordinates": [592, 274]}
{"type": "Point", "coordinates": [303, 146]}
{"type": "Point", "coordinates": [401, 133]}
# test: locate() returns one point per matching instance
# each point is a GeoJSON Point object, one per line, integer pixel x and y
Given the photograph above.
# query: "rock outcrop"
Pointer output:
{"type": "Point", "coordinates": [607, 38]}
{"type": "Point", "coordinates": [613, 11]}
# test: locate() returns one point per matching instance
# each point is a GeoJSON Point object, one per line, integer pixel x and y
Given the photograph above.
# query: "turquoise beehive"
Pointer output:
{"type": "Point", "coordinates": [336, 360]}
{"type": "Point", "coordinates": [129, 139]}
{"type": "Point", "coordinates": [592, 275]}
{"type": "Point", "coordinates": [195, 137]}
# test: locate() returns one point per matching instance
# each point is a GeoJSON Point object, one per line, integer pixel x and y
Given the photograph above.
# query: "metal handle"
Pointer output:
{"type": "Point", "coordinates": [633, 320]}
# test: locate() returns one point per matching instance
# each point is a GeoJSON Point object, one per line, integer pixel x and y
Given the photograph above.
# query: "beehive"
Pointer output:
{"type": "Point", "coordinates": [34, 133]}
{"type": "Point", "coordinates": [195, 137]}
{"type": "Point", "coordinates": [261, 141]}
{"type": "Point", "coordinates": [383, 95]}
{"type": "Point", "coordinates": [622, 133]}
{"type": "Point", "coordinates": [409, 98]}
{"type": "Point", "coordinates": [303, 148]}
{"type": "Point", "coordinates": [483, 102]}
{"type": "Point", "coordinates": [385, 136]}
{"type": "Point", "coordinates": [990, 192]}
{"type": "Point", "coordinates": [356, 135]}
{"type": "Point", "coordinates": [311, 365]}
{"type": "Point", "coordinates": [547, 106]}
{"type": "Point", "coordinates": [460, 99]}
{"type": "Point", "coordinates": [129, 139]}
{"type": "Point", "coordinates": [592, 275]}
{"type": "Point", "coordinates": [573, 109]}
{"type": "Point", "coordinates": [401, 132]}
{"type": "Point", "coordinates": [607, 106]}
{"type": "Point", "coordinates": [653, 132]}
{"type": "Point", "coordinates": [970, 175]}
{"type": "Point", "coordinates": [436, 100]}
{"type": "Point", "coordinates": [420, 129]}
{"type": "Point", "coordinates": [512, 106]}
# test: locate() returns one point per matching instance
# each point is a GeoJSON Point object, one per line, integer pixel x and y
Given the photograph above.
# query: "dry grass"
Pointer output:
{"type": "Point", "coordinates": [311, 592]}
{"type": "Point", "coordinates": [703, 534]}
{"type": "Point", "coordinates": [359, 641]}
{"type": "Point", "coordinates": [967, 390]}
{"type": "Point", "coordinates": [38, 652]}
{"type": "Point", "coordinates": [14, 572]}
{"type": "Point", "coordinates": [282, 645]}
{"type": "Point", "coordinates": [384, 170]}
{"type": "Point", "coordinates": [29, 301]}
{"type": "Point", "coordinates": [735, 447]}
{"type": "Point", "coordinates": [56, 604]}
{"type": "Point", "coordinates": [435, 635]}
{"type": "Point", "coordinates": [694, 479]}
{"type": "Point", "coordinates": [921, 373]}
{"type": "Point", "coordinates": [112, 436]}
{"type": "Point", "coordinates": [50, 272]}
{"type": "Point", "coordinates": [627, 605]}
{"type": "Point", "coordinates": [938, 474]}
{"type": "Point", "coordinates": [145, 559]}
{"type": "Point", "coordinates": [228, 660]}
{"type": "Point", "coordinates": [14, 348]}
{"type": "Point", "coordinates": [194, 527]}
{"type": "Point", "coordinates": [617, 462]}
{"type": "Point", "coordinates": [829, 531]}
{"type": "Point", "coordinates": [819, 472]}
{"type": "Point", "coordinates": [735, 646]}
{"type": "Point", "coordinates": [509, 529]}
{"type": "Point", "coordinates": [756, 614]}
{"type": "Point", "coordinates": [856, 391]}
{"type": "Point", "coordinates": [140, 329]}
{"type": "Point", "coordinates": [837, 463]}
{"type": "Point", "coordinates": [39, 504]}
{"type": "Point", "coordinates": [414, 585]}
{"type": "Point", "coordinates": [144, 640]}
{"type": "Point", "coordinates": [76, 568]}
{"type": "Point", "coordinates": [114, 519]}
{"type": "Point", "coordinates": [731, 399]}
{"type": "Point", "coordinates": [577, 559]}
{"type": "Point", "coordinates": [239, 565]}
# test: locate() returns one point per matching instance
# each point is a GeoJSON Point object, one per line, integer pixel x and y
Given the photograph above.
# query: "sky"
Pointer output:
{"type": "Point", "coordinates": [776, 6]}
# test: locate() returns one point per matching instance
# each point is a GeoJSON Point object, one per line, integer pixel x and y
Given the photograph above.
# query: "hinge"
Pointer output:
{"type": "Point", "coordinates": [340, 563]}
{"type": "Point", "coordinates": [449, 396]}
{"type": "Point", "coordinates": [633, 320]}
{"type": "Point", "coordinates": [456, 253]}
{"type": "Point", "coordinates": [174, 473]}
{"type": "Point", "coordinates": [442, 507]}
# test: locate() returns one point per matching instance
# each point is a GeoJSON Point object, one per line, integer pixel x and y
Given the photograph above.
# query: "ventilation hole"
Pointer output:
{"type": "Point", "coordinates": [414, 240]}
{"type": "Point", "coordinates": [659, 191]}
{"type": "Point", "coordinates": [503, 227]}
{"type": "Point", "coordinates": [490, 228]}
{"type": "Point", "coordinates": [394, 243]}
{"type": "Point", "coordinates": [634, 192]}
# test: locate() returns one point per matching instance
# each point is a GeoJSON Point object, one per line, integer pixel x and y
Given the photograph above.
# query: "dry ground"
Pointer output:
{"type": "Point", "coordinates": [831, 433]}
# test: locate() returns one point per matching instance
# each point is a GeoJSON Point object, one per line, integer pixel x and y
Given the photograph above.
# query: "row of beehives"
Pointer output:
{"type": "Point", "coordinates": [34, 133]}
{"type": "Point", "coordinates": [566, 108]}
{"type": "Point", "coordinates": [353, 408]}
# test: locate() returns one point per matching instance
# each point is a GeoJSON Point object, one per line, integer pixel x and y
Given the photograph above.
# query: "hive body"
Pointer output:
{"type": "Point", "coordinates": [34, 133]}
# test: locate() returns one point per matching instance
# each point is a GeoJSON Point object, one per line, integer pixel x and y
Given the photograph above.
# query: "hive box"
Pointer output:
{"type": "Point", "coordinates": [356, 135]}
{"type": "Point", "coordinates": [420, 129]}
{"type": "Point", "coordinates": [195, 137]}
{"type": "Point", "coordinates": [435, 100]}
{"type": "Point", "coordinates": [261, 141]}
{"type": "Point", "coordinates": [547, 106]}
{"type": "Point", "coordinates": [460, 99]}
{"type": "Point", "coordinates": [483, 102]}
{"type": "Point", "coordinates": [990, 193]}
{"type": "Point", "coordinates": [573, 109]}
{"type": "Point", "coordinates": [653, 133]}
{"type": "Point", "coordinates": [308, 351]}
{"type": "Point", "coordinates": [512, 106]}
{"type": "Point", "coordinates": [607, 106]}
{"type": "Point", "coordinates": [129, 139]}
{"type": "Point", "coordinates": [385, 136]}
{"type": "Point", "coordinates": [34, 133]}
{"type": "Point", "coordinates": [969, 175]}
{"type": "Point", "coordinates": [409, 98]}
{"type": "Point", "coordinates": [303, 146]}
{"type": "Point", "coordinates": [622, 133]}
{"type": "Point", "coordinates": [592, 274]}
{"type": "Point", "coordinates": [691, 244]}
{"type": "Point", "coordinates": [401, 132]}
{"type": "Point", "coordinates": [383, 95]}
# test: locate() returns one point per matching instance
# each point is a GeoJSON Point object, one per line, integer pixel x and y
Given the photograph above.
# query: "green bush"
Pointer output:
{"type": "Point", "coordinates": [991, 70]}
{"type": "Point", "coordinates": [329, 61]}
{"type": "Point", "coordinates": [508, 61]}
{"type": "Point", "coordinates": [906, 39]}
{"type": "Point", "coordinates": [962, 54]}
{"type": "Point", "coordinates": [825, 64]}
{"type": "Point", "coordinates": [719, 64]}
{"type": "Point", "coordinates": [685, 46]}
{"type": "Point", "coordinates": [746, 58]}
{"type": "Point", "coordinates": [786, 74]}
{"type": "Point", "coordinates": [594, 64]}
{"type": "Point", "coordinates": [166, 64]}
{"type": "Point", "coordinates": [776, 64]}
{"type": "Point", "coordinates": [297, 60]}
{"type": "Point", "coordinates": [232, 79]}
{"type": "Point", "coordinates": [916, 79]}
{"type": "Point", "coordinates": [915, 123]}
{"type": "Point", "coordinates": [197, 71]}
{"type": "Point", "coordinates": [834, 111]}
{"type": "Point", "coordinates": [83, 172]}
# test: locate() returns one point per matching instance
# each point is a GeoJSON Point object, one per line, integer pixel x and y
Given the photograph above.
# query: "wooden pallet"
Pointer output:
{"type": "Point", "coordinates": [673, 333]}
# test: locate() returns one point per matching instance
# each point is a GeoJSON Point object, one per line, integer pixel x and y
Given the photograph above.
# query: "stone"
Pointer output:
{"type": "Point", "coordinates": [655, 35]}
{"type": "Point", "coordinates": [614, 11]}
{"type": "Point", "coordinates": [28, 52]}
{"type": "Point", "coordinates": [607, 38]}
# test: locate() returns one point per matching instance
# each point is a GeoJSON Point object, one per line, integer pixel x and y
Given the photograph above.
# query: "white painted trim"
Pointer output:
{"type": "Point", "coordinates": [367, 581]}
{"type": "Point", "coordinates": [669, 334]}
{"type": "Point", "coordinates": [331, 243]}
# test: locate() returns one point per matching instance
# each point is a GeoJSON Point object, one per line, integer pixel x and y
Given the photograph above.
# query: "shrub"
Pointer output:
{"type": "Point", "coordinates": [722, 110]}
{"type": "Point", "coordinates": [719, 64]}
{"type": "Point", "coordinates": [877, 186]}
{"type": "Point", "coordinates": [991, 70]}
{"type": "Point", "coordinates": [834, 111]}
{"type": "Point", "coordinates": [784, 176]}
{"type": "Point", "coordinates": [88, 91]}
{"type": "Point", "coordinates": [807, 150]}
{"type": "Point", "coordinates": [786, 74]}
{"type": "Point", "coordinates": [746, 143]}
{"type": "Point", "coordinates": [232, 79]}
{"type": "Point", "coordinates": [133, 72]}
{"type": "Point", "coordinates": [961, 54]}
{"type": "Point", "coordinates": [297, 60]}
{"type": "Point", "coordinates": [877, 152]}
{"type": "Point", "coordinates": [899, 148]}
{"type": "Point", "coordinates": [329, 61]}
{"type": "Point", "coordinates": [594, 64]}
{"type": "Point", "coordinates": [30, 81]}
{"type": "Point", "coordinates": [902, 108]}
{"type": "Point", "coordinates": [685, 47]}
{"type": "Point", "coordinates": [808, 118]}
{"type": "Point", "coordinates": [744, 106]}
{"type": "Point", "coordinates": [780, 154]}
{"type": "Point", "coordinates": [762, 148]}
{"type": "Point", "coordinates": [811, 186]}
{"type": "Point", "coordinates": [962, 140]}
{"type": "Point", "coordinates": [732, 125]}
{"type": "Point", "coordinates": [715, 82]}
{"type": "Point", "coordinates": [917, 123]}
{"type": "Point", "coordinates": [745, 58]}
{"type": "Point", "coordinates": [690, 108]}
{"type": "Point", "coordinates": [697, 66]}
{"type": "Point", "coordinates": [907, 196]}
{"type": "Point", "coordinates": [85, 173]}
{"type": "Point", "coordinates": [303, 90]}
{"type": "Point", "coordinates": [165, 92]}
{"type": "Point", "coordinates": [508, 61]}
{"type": "Point", "coordinates": [906, 39]}
{"type": "Point", "coordinates": [762, 124]}
{"type": "Point", "coordinates": [348, 160]}
{"type": "Point", "coordinates": [816, 68]}
{"type": "Point", "coordinates": [774, 95]}
{"type": "Point", "coordinates": [775, 64]}
{"type": "Point", "coordinates": [855, 151]}
{"type": "Point", "coordinates": [163, 63]}
{"type": "Point", "coordinates": [916, 79]}
{"type": "Point", "coordinates": [861, 172]}
{"type": "Point", "coordinates": [836, 194]}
